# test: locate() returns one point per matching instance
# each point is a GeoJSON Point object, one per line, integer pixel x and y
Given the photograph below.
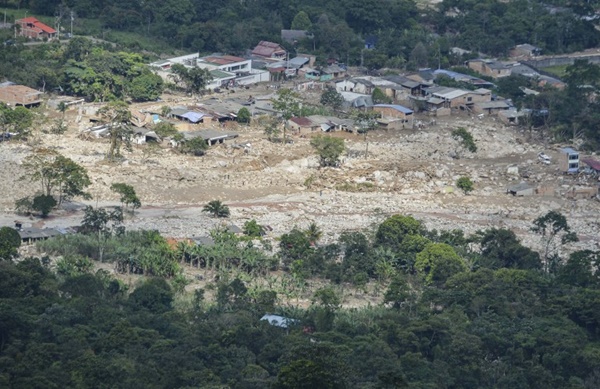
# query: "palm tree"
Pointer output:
{"type": "Point", "coordinates": [313, 233]}
{"type": "Point", "coordinates": [216, 208]}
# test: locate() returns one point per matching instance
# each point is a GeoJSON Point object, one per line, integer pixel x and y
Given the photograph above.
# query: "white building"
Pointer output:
{"type": "Point", "coordinates": [225, 69]}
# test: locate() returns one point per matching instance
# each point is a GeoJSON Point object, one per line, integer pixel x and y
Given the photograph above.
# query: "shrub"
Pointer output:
{"type": "Point", "coordinates": [465, 184]}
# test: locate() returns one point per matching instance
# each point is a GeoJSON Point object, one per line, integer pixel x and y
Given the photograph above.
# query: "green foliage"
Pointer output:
{"type": "Point", "coordinates": [329, 149]}
{"type": "Point", "coordinates": [438, 262]}
{"type": "Point", "coordinates": [501, 248]}
{"type": "Point", "coordinates": [193, 80]}
{"type": "Point", "coordinates": [44, 204]}
{"type": "Point", "coordinates": [116, 115]}
{"type": "Point", "coordinates": [332, 98]}
{"type": "Point", "coordinates": [57, 175]}
{"type": "Point", "coordinates": [301, 21]}
{"type": "Point", "coordinates": [272, 130]}
{"type": "Point", "coordinates": [17, 121]}
{"type": "Point", "coordinates": [466, 139]}
{"type": "Point", "coordinates": [253, 229]}
{"type": "Point", "coordinates": [10, 241]}
{"type": "Point", "coordinates": [195, 146]}
{"type": "Point", "coordinates": [465, 184]}
{"type": "Point", "coordinates": [165, 129]}
{"type": "Point", "coordinates": [216, 208]}
{"type": "Point", "coordinates": [244, 115]}
{"type": "Point", "coordinates": [128, 195]}
{"type": "Point", "coordinates": [146, 87]}
{"type": "Point", "coordinates": [395, 229]}
{"type": "Point", "coordinates": [379, 97]}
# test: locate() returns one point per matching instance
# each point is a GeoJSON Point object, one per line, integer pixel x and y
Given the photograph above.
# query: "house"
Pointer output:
{"type": "Point", "coordinates": [491, 107]}
{"type": "Point", "coordinates": [226, 70]}
{"type": "Point", "coordinates": [460, 77]}
{"type": "Point", "coordinates": [34, 234]}
{"type": "Point", "coordinates": [512, 116]}
{"type": "Point", "coordinates": [568, 161]}
{"type": "Point", "coordinates": [206, 241]}
{"type": "Point", "coordinates": [480, 95]}
{"type": "Point", "coordinates": [356, 100]}
{"type": "Point", "coordinates": [333, 71]}
{"type": "Point", "coordinates": [189, 115]}
{"type": "Point", "coordinates": [593, 166]}
{"type": "Point", "coordinates": [32, 28]}
{"type": "Point", "coordinates": [585, 192]}
{"type": "Point", "coordinates": [525, 50]}
{"type": "Point", "coordinates": [451, 97]}
{"type": "Point", "coordinates": [211, 137]}
{"type": "Point", "coordinates": [14, 95]}
{"type": "Point", "coordinates": [269, 51]}
{"type": "Point", "coordinates": [330, 123]}
{"type": "Point", "coordinates": [522, 189]}
{"type": "Point", "coordinates": [300, 125]}
{"type": "Point", "coordinates": [278, 321]}
{"type": "Point", "coordinates": [491, 68]}
{"type": "Point", "coordinates": [395, 115]}
{"type": "Point", "coordinates": [294, 36]}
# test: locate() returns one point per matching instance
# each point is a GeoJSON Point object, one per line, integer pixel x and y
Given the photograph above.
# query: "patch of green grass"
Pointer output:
{"type": "Point", "coordinates": [558, 70]}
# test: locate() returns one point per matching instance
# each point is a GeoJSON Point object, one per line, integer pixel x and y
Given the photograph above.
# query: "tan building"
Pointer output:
{"type": "Point", "coordinates": [13, 95]}
{"type": "Point", "coordinates": [490, 68]}
{"type": "Point", "coordinates": [34, 29]}
{"type": "Point", "coordinates": [395, 112]}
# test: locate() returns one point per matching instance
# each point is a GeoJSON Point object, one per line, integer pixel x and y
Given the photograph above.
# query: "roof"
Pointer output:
{"type": "Point", "coordinates": [493, 105]}
{"type": "Point", "coordinates": [397, 107]}
{"type": "Point", "coordinates": [192, 116]}
{"type": "Point", "coordinates": [301, 121]}
{"type": "Point", "coordinates": [592, 163]}
{"type": "Point", "coordinates": [267, 49]}
{"type": "Point", "coordinates": [204, 241]}
{"type": "Point", "coordinates": [19, 94]}
{"type": "Point", "coordinates": [209, 135]}
{"type": "Point", "coordinates": [435, 101]}
{"type": "Point", "coordinates": [278, 321]}
{"type": "Point", "coordinates": [568, 150]}
{"type": "Point", "coordinates": [36, 23]}
{"type": "Point", "coordinates": [481, 91]}
{"type": "Point", "coordinates": [333, 69]}
{"type": "Point", "coordinates": [38, 233]}
{"type": "Point", "coordinates": [298, 61]}
{"type": "Point", "coordinates": [450, 93]}
{"type": "Point", "coordinates": [222, 59]}
{"type": "Point", "coordinates": [219, 74]}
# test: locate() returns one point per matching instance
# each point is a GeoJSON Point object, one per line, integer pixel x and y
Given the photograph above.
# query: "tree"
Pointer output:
{"type": "Point", "coordinates": [465, 184]}
{"type": "Point", "coordinates": [146, 87]}
{"type": "Point", "coordinates": [272, 130]}
{"type": "Point", "coordinates": [60, 127]}
{"type": "Point", "coordinates": [17, 121]}
{"type": "Point", "coordinates": [288, 105]}
{"type": "Point", "coordinates": [10, 241]}
{"type": "Point", "coordinates": [43, 204]}
{"type": "Point", "coordinates": [329, 149]}
{"type": "Point", "coordinates": [419, 56]}
{"type": "Point", "coordinates": [253, 229]}
{"type": "Point", "coordinates": [128, 195]}
{"type": "Point", "coordinates": [301, 21]}
{"type": "Point", "coordinates": [365, 121]}
{"type": "Point", "coordinates": [102, 224]}
{"type": "Point", "coordinates": [216, 208]}
{"type": "Point", "coordinates": [501, 248]}
{"type": "Point", "coordinates": [116, 115]}
{"type": "Point", "coordinates": [394, 229]}
{"type": "Point", "coordinates": [438, 262]}
{"type": "Point", "coordinates": [380, 98]}
{"type": "Point", "coordinates": [243, 115]}
{"type": "Point", "coordinates": [57, 175]}
{"type": "Point", "coordinates": [195, 146]}
{"type": "Point", "coordinates": [554, 231]}
{"type": "Point", "coordinates": [165, 129]}
{"type": "Point", "coordinates": [193, 80]}
{"type": "Point", "coordinates": [466, 139]}
{"type": "Point", "coordinates": [581, 270]}
{"type": "Point", "coordinates": [313, 233]}
{"type": "Point", "coordinates": [332, 98]}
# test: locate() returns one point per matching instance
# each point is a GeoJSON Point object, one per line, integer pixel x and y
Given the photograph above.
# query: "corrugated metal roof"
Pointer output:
{"type": "Point", "coordinates": [397, 107]}
{"type": "Point", "coordinates": [592, 163]}
{"type": "Point", "coordinates": [192, 116]}
{"type": "Point", "coordinates": [278, 321]}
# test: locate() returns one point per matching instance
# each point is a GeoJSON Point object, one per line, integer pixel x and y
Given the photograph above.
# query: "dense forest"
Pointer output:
{"type": "Point", "coordinates": [459, 312]}
{"type": "Point", "coordinates": [339, 27]}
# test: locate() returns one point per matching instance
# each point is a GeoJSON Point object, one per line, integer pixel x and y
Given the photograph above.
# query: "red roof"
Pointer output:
{"type": "Point", "coordinates": [591, 163]}
{"type": "Point", "coordinates": [301, 121]}
{"type": "Point", "coordinates": [267, 49]}
{"type": "Point", "coordinates": [36, 23]}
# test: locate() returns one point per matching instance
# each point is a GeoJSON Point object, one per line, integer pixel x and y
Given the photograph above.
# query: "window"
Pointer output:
{"type": "Point", "coordinates": [573, 166]}
{"type": "Point", "coordinates": [573, 156]}
{"type": "Point", "coordinates": [469, 98]}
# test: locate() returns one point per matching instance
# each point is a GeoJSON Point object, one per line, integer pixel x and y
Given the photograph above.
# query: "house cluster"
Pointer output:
{"type": "Point", "coordinates": [499, 69]}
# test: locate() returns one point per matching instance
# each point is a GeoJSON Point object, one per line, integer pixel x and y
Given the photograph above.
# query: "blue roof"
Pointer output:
{"type": "Point", "coordinates": [396, 107]}
{"type": "Point", "coordinates": [192, 116]}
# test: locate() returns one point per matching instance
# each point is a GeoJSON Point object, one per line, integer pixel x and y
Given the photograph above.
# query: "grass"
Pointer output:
{"type": "Point", "coordinates": [558, 70]}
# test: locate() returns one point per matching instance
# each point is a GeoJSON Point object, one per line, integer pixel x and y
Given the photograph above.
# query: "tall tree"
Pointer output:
{"type": "Point", "coordinates": [116, 115]}
{"type": "Point", "coordinates": [287, 103]}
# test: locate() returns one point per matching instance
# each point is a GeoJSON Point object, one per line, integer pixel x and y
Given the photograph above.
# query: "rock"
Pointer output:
{"type": "Point", "coordinates": [513, 170]}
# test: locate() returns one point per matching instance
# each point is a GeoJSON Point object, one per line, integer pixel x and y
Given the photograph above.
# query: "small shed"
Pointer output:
{"type": "Point", "coordinates": [522, 189]}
